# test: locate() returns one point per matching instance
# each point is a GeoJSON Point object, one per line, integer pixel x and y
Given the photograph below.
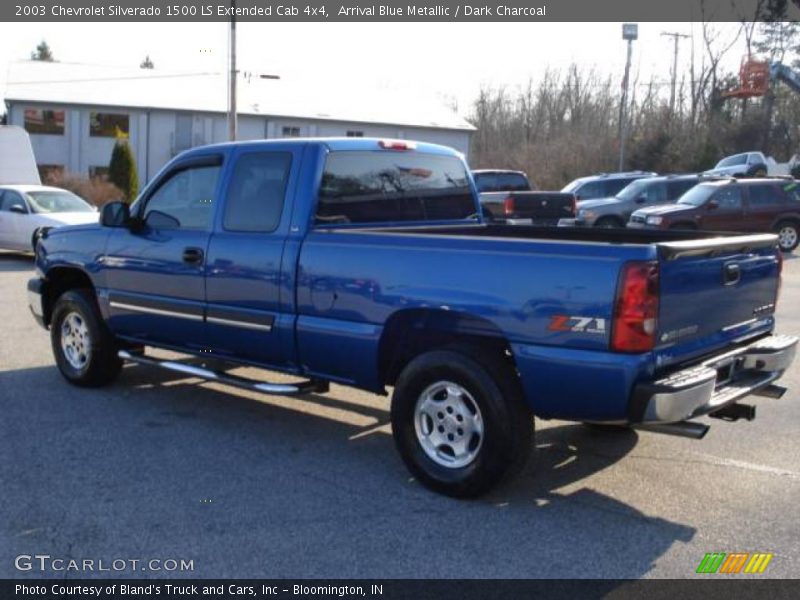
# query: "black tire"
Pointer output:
{"type": "Point", "coordinates": [507, 423]}
{"type": "Point", "coordinates": [101, 363]}
{"type": "Point", "coordinates": [609, 223]}
{"type": "Point", "coordinates": [788, 235]}
{"type": "Point", "coordinates": [757, 171]}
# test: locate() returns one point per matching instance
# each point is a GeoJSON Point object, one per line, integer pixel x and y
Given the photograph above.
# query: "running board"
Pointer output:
{"type": "Point", "coordinates": [689, 429]}
{"type": "Point", "coordinates": [315, 386]}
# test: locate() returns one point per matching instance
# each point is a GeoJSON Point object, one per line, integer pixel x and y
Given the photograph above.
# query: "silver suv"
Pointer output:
{"type": "Point", "coordinates": [615, 211]}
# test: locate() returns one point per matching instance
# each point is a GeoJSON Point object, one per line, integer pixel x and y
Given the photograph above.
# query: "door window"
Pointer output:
{"type": "Point", "coordinates": [729, 199]}
{"type": "Point", "coordinates": [185, 200]}
{"type": "Point", "coordinates": [256, 193]}
{"type": "Point", "coordinates": [9, 199]}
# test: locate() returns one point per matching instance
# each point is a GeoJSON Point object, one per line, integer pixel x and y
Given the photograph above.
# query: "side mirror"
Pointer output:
{"type": "Point", "coordinates": [713, 204]}
{"type": "Point", "coordinates": [115, 214]}
{"type": "Point", "coordinates": [18, 208]}
{"type": "Point", "coordinates": [641, 199]}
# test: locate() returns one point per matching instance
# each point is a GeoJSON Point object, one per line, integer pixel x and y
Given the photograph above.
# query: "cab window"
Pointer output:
{"type": "Point", "coordinates": [185, 200]}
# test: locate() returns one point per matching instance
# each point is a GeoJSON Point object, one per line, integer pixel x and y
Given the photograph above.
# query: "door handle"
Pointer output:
{"type": "Point", "coordinates": [731, 274]}
{"type": "Point", "coordinates": [193, 256]}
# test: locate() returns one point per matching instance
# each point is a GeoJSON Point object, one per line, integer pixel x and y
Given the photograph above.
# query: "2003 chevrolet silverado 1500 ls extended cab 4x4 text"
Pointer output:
{"type": "Point", "coordinates": [366, 262]}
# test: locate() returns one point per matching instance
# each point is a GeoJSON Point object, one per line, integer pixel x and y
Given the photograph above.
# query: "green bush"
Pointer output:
{"type": "Point", "coordinates": [122, 170]}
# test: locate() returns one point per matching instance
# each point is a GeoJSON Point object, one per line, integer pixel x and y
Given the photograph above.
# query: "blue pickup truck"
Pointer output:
{"type": "Point", "coordinates": [367, 263]}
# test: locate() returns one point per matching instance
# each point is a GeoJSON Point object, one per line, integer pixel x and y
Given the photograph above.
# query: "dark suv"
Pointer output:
{"type": "Point", "coordinates": [603, 185]}
{"type": "Point", "coordinates": [745, 205]}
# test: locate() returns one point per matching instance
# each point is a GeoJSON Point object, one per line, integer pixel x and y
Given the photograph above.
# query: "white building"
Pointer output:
{"type": "Point", "coordinates": [73, 113]}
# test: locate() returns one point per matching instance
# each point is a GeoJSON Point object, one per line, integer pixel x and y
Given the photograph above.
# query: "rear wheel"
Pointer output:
{"type": "Point", "coordinates": [459, 421]}
{"type": "Point", "coordinates": [609, 223]}
{"type": "Point", "coordinates": [788, 235]}
{"type": "Point", "coordinates": [84, 348]}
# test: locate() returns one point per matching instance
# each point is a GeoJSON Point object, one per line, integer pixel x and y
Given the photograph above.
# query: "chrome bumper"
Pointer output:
{"type": "Point", "coordinates": [717, 382]}
{"type": "Point", "coordinates": [35, 300]}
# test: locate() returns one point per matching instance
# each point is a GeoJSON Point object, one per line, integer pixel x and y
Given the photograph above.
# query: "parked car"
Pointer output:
{"type": "Point", "coordinates": [744, 205]}
{"type": "Point", "coordinates": [507, 197]}
{"type": "Point", "coordinates": [748, 164]}
{"type": "Point", "coordinates": [615, 212]}
{"type": "Point", "coordinates": [27, 210]}
{"type": "Point", "coordinates": [366, 262]}
{"type": "Point", "coordinates": [603, 185]}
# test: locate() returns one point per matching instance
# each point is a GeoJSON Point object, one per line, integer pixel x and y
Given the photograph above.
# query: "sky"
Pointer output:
{"type": "Point", "coordinates": [448, 60]}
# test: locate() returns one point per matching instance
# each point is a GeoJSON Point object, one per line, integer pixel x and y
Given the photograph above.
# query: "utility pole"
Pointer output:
{"type": "Point", "coordinates": [630, 32]}
{"type": "Point", "coordinates": [676, 37]}
{"type": "Point", "coordinates": [232, 121]}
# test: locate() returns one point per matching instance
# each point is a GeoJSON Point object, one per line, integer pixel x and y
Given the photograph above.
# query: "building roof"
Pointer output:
{"type": "Point", "coordinates": [92, 85]}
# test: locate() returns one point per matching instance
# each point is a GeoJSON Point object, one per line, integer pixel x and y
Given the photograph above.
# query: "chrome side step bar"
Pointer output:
{"type": "Point", "coordinates": [689, 429]}
{"type": "Point", "coordinates": [312, 386]}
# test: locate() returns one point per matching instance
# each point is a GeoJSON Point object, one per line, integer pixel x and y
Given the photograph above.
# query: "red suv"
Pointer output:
{"type": "Point", "coordinates": [741, 205]}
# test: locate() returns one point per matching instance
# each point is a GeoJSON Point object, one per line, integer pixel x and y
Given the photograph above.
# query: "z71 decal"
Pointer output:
{"type": "Point", "coordinates": [577, 324]}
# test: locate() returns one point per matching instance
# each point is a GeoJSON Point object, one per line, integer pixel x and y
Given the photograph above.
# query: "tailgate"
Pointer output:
{"type": "Point", "coordinates": [544, 205]}
{"type": "Point", "coordinates": [713, 292]}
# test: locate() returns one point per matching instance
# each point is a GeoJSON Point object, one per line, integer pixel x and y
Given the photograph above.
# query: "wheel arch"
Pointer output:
{"type": "Point", "coordinates": [59, 280]}
{"type": "Point", "coordinates": [411, 332]}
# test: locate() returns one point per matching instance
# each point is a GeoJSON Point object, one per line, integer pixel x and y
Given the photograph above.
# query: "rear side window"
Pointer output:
{"type": "Point", "coordinates": [613, 186]}
{"type": "Point", "coordinates": [592, 189]}
{"type": "Point", "coordinates": [676, 189]}
{"type": "Point", "coordinates": [256, 192]}
{"type": "Point", "coordinates": [792, 192]}
{"type": "Point", "coordinates": [765, 195]}
{"type": "Point", "coordinates": [375, 187]}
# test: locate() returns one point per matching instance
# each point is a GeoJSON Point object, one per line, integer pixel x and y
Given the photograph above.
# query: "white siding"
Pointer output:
{"type": "Point", "coordinates": [153, 135]}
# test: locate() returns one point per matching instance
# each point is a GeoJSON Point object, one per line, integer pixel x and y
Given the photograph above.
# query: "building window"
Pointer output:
{"type": "Point", "coordinates": [353, 133]}
{"type": "Point", "coordinates": [41, 120]}
{"type": "Point", "coordinates": [112, 125]}
{"type": "Point", "coordinates": [291, 132]}
{"type": "Point", "coordinates": [98, 172]}
{"type": "Point", "coordinates": [50, 173]}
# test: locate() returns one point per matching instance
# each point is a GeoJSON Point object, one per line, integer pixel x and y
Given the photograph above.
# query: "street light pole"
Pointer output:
{"type": "Point", "coordinates": [630, 32]}
{"type": "Point", "coordinates": [232, 121]}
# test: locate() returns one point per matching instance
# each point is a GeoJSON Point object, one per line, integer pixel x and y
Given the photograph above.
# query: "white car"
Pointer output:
{"type": "Point", "coordinates": [26, 209]}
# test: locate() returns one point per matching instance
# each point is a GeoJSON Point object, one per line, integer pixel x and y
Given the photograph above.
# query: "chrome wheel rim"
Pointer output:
{"type": "Point", "coordinates": [75, 340]}
{"type": "Point", "coordinates": [448, 424]}
{"type": "Point", "coordinates": [787, 237]}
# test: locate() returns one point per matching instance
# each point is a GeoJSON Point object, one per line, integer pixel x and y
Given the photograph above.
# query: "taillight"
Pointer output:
{"type": "Point", "coordinates": [636, 308]}
{"type": "Point", "coordinates": [574, 205]}
{"type": "Point", "coordinates": [396, 145]}
{"type": "Point", "coordinates": [508, 206]}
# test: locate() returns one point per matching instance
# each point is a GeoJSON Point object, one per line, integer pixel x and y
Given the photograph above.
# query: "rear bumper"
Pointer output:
{"type": "Point", "coordinates": [35, 300]}
{"type": "Point", "coordinates": [715, 383]}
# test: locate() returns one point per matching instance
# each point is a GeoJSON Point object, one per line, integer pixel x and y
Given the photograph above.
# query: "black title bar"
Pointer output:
{"type": "Point", "coordinates": [398, 10]}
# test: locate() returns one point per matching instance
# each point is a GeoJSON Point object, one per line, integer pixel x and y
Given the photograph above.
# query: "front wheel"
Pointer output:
{"type": "Point", "coordinates": [459, 421]}
{"type": "Point", "coordinates": [788, 235]}
{"type": "Point", "coordinates": [609, 223]}
{"type": "Point", "coordinates": [84, 348]}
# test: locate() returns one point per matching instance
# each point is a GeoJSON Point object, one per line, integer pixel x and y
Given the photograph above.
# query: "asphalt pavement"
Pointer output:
{"type": "Point", "coordinates": [162, 467]}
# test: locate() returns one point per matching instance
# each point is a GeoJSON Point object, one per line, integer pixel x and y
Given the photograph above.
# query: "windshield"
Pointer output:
{"type": "Point", "coordinates": [737, 159]}
{"type": "Point", "coordinates": [633, 190]}
{"type": "Point", "coordinates": [697, 195]}
{"type": "Point", "coordinates": [57, 202]}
